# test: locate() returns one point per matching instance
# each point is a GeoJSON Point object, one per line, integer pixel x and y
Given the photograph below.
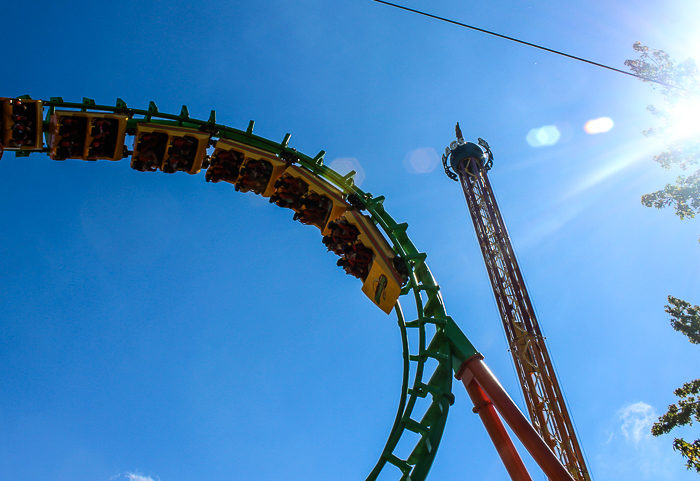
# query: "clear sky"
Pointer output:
{"type": "Point", "coordinates": [156, 326]}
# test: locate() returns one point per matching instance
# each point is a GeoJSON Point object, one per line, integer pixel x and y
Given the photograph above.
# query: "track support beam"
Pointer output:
{"type": "Point", "coordinates": [494, 427]}
{"type": "Point", "coordinates": [474, 370]}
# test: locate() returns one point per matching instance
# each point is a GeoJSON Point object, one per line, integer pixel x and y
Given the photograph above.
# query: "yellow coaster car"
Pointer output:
{"type": "Point", "coordinates": [22, 124]}
{"type": "Point", "coordinates": [365, 254]}
{"type": "Point", "coordinates": [169, 149]}
{"type": "Point", "coordinates": [225, 164]}
{"type": "Point", "coordinates": [259, 169]}
{"type": "Point", "coordinates": [87, 136]}
{"type": "Point", "coordinates": [319, 203]}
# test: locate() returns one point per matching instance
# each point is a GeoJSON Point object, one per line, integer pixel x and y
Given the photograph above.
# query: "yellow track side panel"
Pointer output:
{"type": "Point", "coordinates": [169, 148]}
{"type": "Point", "coordinates": [260, 169]}
{"type": "Point", "coordinates": [321, 187]}
{"type": "Point", "coordinates": [380, 289]}
{"type": "Point", "coordinates": [278, 168]}
{"type": "Point", "coordinates": [87, 136]}
{"type": "Point", "coordinates": [7, 122]}
{"type": "Point", "coordinates": [383, 284]}
{"type": "Point", "coordinates": [22, 124]}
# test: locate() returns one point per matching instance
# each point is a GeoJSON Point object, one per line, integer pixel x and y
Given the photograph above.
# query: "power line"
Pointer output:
{"type": "Point", "coordinates": [530, 44]}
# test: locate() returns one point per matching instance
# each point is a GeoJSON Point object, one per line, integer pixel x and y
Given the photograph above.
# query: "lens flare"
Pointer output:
{"type": "Point", "coordinates": [543, 136]}
{"type": "Point", "coordinates": [599, 125]}
{"type": "Point", "coordinates": [421, 161]}
{"type": "Point", "coordinates": [347, 164]}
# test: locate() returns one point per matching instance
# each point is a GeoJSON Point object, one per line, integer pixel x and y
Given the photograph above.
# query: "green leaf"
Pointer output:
{"type": "Point", "coordinates": [685, 319]}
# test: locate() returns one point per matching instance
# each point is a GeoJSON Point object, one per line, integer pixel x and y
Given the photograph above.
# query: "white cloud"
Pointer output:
{"type": "Point", "coordinates": [140, 477]}
{"type": "Point", "coordinates": [626, 450]}
{"type": "Point", "coordinates": [135, 477]}
{"type": "Point", "coordinates": [636, 420]}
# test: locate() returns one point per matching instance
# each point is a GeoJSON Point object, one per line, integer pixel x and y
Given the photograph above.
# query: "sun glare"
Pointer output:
{"type": "Point", "coordinates": [685, 120]}
{"type": "Point", "coordinates": [615, 161]}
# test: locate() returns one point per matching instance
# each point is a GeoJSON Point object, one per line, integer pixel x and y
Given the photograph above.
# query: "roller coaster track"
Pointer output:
{"type": "Point", "coordinates": [439, 338]}
{"type": "Point", "coordinates": [393, 267]}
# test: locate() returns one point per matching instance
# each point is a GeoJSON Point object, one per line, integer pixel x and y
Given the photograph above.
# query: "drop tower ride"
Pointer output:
{"type": "Point", "coordinates": [468, 163]}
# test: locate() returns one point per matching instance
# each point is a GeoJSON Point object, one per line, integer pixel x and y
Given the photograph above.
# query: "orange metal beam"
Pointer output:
{"type": "Point", "coordinates": [499, 436]}
{"type": "Point", "coordinates": [538, 449]}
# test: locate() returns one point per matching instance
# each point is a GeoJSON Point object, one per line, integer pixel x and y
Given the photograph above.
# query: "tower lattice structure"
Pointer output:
{"type": "Point", "coordinates": [543, 396]}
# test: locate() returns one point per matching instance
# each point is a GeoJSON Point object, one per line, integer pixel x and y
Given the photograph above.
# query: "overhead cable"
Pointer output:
{"type": "Point", "coordinates": [531, 45]}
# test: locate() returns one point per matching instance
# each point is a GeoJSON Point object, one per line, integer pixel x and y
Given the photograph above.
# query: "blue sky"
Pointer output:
{"type": "Point", "coordinates": [157, 326]}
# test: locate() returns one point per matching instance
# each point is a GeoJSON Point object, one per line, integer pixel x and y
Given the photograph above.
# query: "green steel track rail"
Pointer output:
{"type": "Point", "coordinates": [439, 338]}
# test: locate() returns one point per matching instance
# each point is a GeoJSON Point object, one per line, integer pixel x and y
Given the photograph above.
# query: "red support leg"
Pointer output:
{"type": "Point", "coordinates": [499, 436]}
{"type": "Point", "coordinates": [522, 428]}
